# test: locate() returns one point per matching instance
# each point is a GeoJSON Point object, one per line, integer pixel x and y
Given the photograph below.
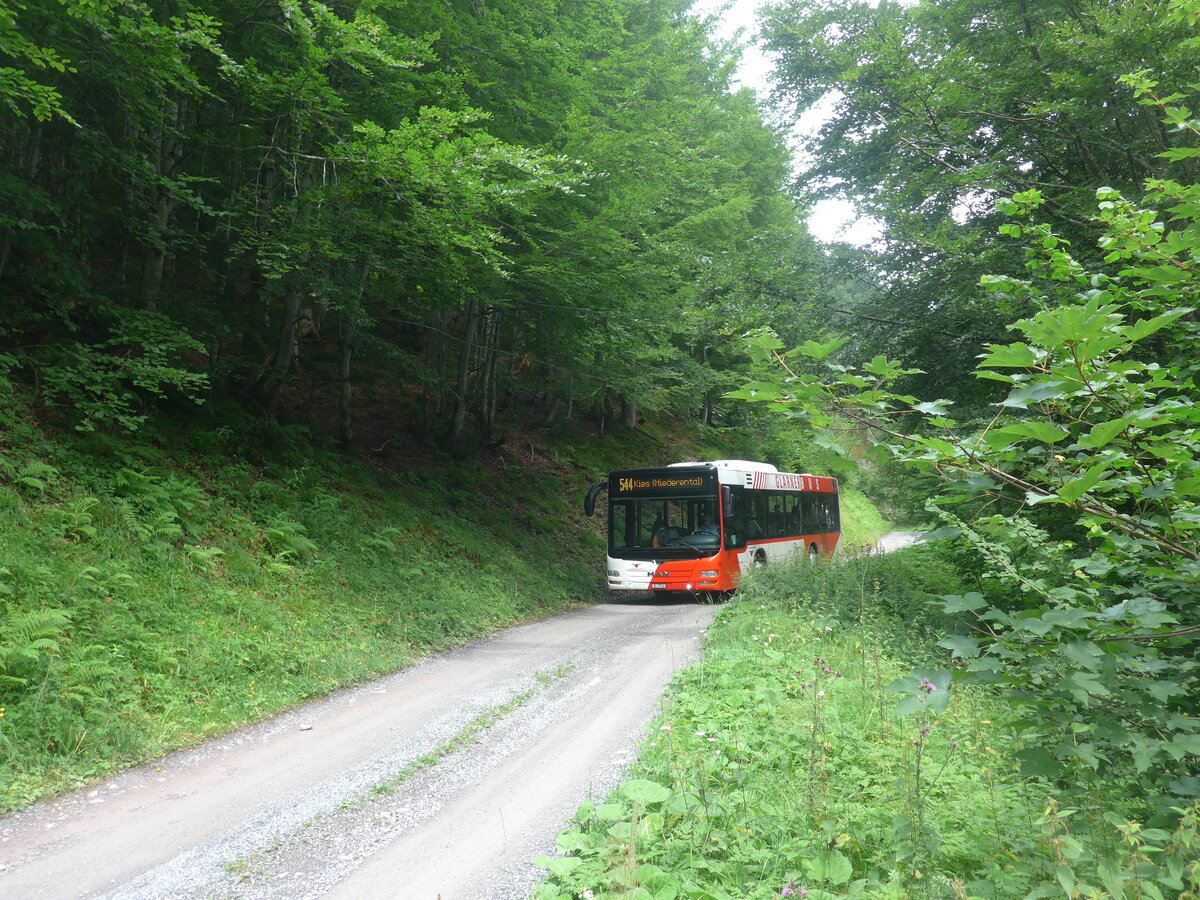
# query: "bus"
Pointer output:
{"type": "Point", "coordinates": [698, 526]}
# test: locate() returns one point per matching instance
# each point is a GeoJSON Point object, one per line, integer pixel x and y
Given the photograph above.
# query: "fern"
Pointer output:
{"type": "Point", "coordinates": [203, 558]}
{"type": "Point", "coordinates": [29, 636]}
{"type": "Point", "coordinates": [86, 678]}
{"type": "Point", "coordinates": [77, 521]}
{"type": "Point", "coordinates": [288, 538]}
{"type": "Point", "coordinates": [35, 474]}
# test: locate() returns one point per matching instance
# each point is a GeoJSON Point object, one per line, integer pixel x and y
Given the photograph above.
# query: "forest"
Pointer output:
{"type": "Point", "coordinates": [246, 240]}
{"type": "Point", "coordinates": [446, 211]}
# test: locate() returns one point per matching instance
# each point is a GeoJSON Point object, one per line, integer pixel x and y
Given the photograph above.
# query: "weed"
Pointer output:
{"type": "Point", "coordinates": [802, 757]}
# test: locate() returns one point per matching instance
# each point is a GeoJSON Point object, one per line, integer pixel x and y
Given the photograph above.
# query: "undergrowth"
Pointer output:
{"type": "Point", "coordinates": [862, 525]}
{"type": "Point", "coordinates": [803, 757]}
{"type": "Point", "coordinates": [152, 597]}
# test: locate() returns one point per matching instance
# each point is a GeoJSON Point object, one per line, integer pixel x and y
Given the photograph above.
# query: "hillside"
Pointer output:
{"type": "Point", "coordinates": [160, 591]}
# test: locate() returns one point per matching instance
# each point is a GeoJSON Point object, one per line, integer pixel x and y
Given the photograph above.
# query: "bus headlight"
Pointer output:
{"type": "Point", "coordinates": [613, 573]}
{"type": "Point", "coordinates": [709, 573]}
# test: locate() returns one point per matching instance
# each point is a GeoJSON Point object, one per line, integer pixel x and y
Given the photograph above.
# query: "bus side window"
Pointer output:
{"type": "Point", "coordinates": [792, 506]}
{"type": "Point", "coordinates": [758, 515]}
{"type": "Point", "coordinates": [778, 523]}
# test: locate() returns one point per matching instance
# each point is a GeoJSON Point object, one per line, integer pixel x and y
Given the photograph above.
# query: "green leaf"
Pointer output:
{"type": "Point", "coordinates": [1036, 762]}
{"type": "Point", "coordinates": [1066, 878]}
{"type": "Point", "coordinates": [1103, 433]}
{"type": "Point", "coordinates": [933, 408]}
{"type": "Point", "coordinates": [831, 866]}
{"type": "Point", "coordinates": [560, 866]}
{"type": "Point", "coordinates": [764, 339]}
{"type": "Point", "coordinates": [1177, 153]}
{"type": "Point", "coordinates": [1146, 327]}
{"type": "Point", "coordinates": [1046, 432]}
{"type": "Point", "coordinates": [1188, 744]}
{"type": "Point", "coordinates": [1068, 617]}
{"type": "Point", "coordinates": [1021, 397]}
{"type": "Point", "coordinates": [645, 792]}
{"type": "Point", "coordinates": [1112, 878]}
{"type": "Point", "coordinates": [820, 351]}
{"type": "Point", "coordinates": [1083, 686]}
{"type": "Point", "coordinates": [610, 812]}
{"type": "Point", "coordinates": [1084, 654]}
{"type": "Point", "coordinates": [903, 685]}
{"type": "Point", "coordinates": [911, 706]}
{"type": "Point", "coordinates": [953, 603]}
{"type": "Point", "coordinates": [1033, 498]}
{"type": "Point", "coordinates": [1012, 356]}
{"type": "Point", "coordinates": [881, 365]}
{"type": "Point", "coordinates": [1077, 487]}
{"type": "Point", "coordinates": [961, 646]}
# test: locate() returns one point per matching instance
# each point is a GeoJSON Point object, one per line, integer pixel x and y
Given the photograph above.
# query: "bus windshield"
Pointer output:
{"type": "Point", "coordinates": [681, 526]}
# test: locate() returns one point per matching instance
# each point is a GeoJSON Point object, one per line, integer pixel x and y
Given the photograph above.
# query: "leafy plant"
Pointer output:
{"type": "Point", "coordinates": [107, 383]}
{"type": "Point", "coordinates": [1099, 420]}
{"type": "Point", "coordinates": [31, 637]}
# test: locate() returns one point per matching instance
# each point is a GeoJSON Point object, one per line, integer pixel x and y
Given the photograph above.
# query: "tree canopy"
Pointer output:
{"type": "Point", "coordinates": [461, 206]}
{"type": "Point", "coordinates": [940, 109]}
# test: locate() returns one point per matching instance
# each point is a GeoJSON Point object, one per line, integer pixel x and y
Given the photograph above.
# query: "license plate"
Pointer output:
{"type": "Point", "coordinates": [657, 586]}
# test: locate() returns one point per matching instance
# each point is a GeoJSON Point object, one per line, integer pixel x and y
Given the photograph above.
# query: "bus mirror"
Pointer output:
{"type": "Point", "coordinates": [727, 501]}
{"type": "Point", "coordinates": [589, 502]}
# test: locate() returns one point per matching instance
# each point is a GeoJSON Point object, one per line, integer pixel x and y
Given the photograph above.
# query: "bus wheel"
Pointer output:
{"type": "Point", "coordinates": [812, 553]}
{"type": "Point", "coordinates": [760, 560]}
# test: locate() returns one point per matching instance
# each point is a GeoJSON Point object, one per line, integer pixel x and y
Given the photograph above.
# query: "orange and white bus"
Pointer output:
{"type": "Point", "coordinates": [699, 526]}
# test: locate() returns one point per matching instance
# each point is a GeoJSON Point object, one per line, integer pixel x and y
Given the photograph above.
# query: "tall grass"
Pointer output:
{"type": "Point", "coordinates": [781, 768]}
{"type": "Point", "coordinates": [862, 524]}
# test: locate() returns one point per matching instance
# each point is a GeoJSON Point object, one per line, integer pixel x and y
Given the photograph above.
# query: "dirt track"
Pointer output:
{"type": "Point", "coordinates": [293, 807]}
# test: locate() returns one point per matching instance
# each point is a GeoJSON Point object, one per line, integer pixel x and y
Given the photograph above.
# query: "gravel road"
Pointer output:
{"type": "Point", "coordinates": [388, 790]}
{"type": "Point", "coordinates": [898, 540]}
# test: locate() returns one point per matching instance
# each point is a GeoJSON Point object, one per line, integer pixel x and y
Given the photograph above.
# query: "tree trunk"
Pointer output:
{"type": "Point", "coordinates": [462, 386]}
{"type": "Point", "coordinates": [706, 409]}
{"type": "Point", "coordinates": [487, 416]}
{"type": "Point", "coordinates": [286, 350]}
{"type": "Point", "coordinates": [345, 414]}
{"type": "Point", "coordinates": [163, 206]}
{"type": "Point", "coordinates": [602, 405]}
{"type": "Point", "coordinates": [629, 412]}
{"type": "Point", "coordinates": [440, 357]}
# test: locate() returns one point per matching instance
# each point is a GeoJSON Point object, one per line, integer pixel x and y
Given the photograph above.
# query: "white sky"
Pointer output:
{"type": "Point", "coordinates": [830, 220]}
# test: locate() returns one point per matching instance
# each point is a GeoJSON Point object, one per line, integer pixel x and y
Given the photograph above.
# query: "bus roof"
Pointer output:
{"type": "Point", "coordinates": [762, 476]}
{"type": "Point", "coordinates": [741, 465]}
